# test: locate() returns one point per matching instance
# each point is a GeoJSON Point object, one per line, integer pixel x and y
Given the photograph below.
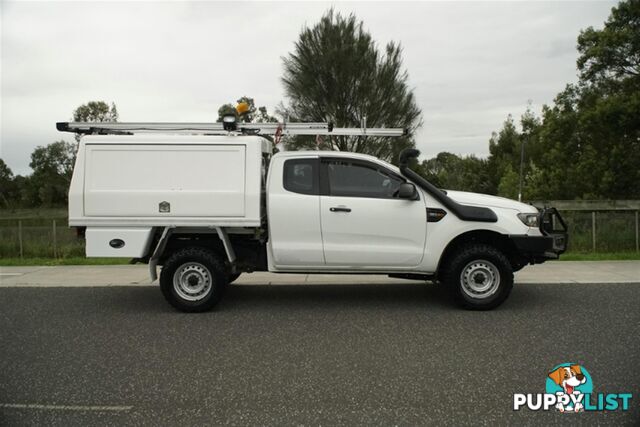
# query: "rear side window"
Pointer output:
{"type": "Point", "coordinates": [301, 176]}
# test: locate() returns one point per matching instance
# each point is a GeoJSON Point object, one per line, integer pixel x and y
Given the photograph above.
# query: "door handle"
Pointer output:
{"type": "Point", "coordinates": [340, 209]}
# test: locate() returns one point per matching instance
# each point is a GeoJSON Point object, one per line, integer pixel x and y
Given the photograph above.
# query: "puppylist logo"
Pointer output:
{"type": "Point", "coordinates": [569, 389]}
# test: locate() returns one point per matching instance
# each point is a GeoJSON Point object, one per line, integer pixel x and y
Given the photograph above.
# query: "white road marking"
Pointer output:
{"type": "Point", "coordinates": [11, 274]}
{"type": "Point", "coordinates": [98, 408]}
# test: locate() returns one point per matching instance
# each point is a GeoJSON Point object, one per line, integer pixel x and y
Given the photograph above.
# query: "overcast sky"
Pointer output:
{"type": "Point", "coordinates": [470, 64]}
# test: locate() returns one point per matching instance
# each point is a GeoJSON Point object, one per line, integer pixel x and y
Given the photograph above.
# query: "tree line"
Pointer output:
{"type": "Point", "coordinates": [585, 145]}
{"type": "Point", "coordinates": [51, 165]}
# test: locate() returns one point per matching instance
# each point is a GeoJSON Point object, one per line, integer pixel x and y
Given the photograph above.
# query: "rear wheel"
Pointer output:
{"type": "Point", "coordinates": [479, 277]}
{"type": "Point", "coordinates": [193, 279]}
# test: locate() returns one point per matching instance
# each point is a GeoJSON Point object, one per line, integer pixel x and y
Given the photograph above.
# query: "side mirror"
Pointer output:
{"type": "Point", "coordinates": [407, 191]}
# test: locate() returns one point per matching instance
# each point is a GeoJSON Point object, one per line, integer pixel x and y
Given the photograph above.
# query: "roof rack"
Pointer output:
{"type": "Point", "coordinates": [114, 128]}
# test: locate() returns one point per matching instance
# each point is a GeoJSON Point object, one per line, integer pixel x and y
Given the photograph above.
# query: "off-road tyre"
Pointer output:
{"type": "Point", "coordinates": [193, 279]}
{"type": "Point", "coordinates": [468, 274]}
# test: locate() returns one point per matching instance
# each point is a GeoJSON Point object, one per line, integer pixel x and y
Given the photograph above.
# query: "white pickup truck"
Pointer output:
{"type": "Point", "coordinates": [208, 204]}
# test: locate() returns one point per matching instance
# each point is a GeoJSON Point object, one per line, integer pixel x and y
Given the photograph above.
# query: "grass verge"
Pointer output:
{"type": "Point", "coordinates": [597, 256]}
{"type": "Point", "coordinates": [18, 262]}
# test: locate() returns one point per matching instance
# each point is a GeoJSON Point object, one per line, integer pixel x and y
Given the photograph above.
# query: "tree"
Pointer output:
{"type": "Point", "coordinates": [507, 148]}
{"type": "Point", "coordinates": [337, 74]}
{"type": "Point", "coordinates": [613, 53]}
{"type": "Point", "coordinates": [504, 149]}
{"type": "Point", "coordinates": [52, 169]}
{"type": "Point", "coordinates": [508, 186]}
{"type": "Point", "coordinates": [7, 185]}
{"type": "Point", "coordinates": [253, 115]}
{"type": "Point", "coordinates": [590, 139]}
{"type": "Point", "coordinates": [451, 172]}
{"type": "Point", "coordinates": [587, 144]}
{"type": "Point", "coordinates": [53, 164]}
{"type": "Point", "coordinates": [95, 111]}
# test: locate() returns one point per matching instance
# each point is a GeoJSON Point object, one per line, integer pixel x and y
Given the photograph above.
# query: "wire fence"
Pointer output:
{"type": "Point", "coordinates": [39, 238]}
{"type": "Point", "coordinates": [592, 228]}
{"type": "Point", "coordinates": [612, 231]}
{"type": "Point", "coordinates": [600, 225]}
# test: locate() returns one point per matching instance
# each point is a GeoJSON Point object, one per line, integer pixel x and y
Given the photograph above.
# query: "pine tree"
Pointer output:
{"type": "Point", "coordinates": [337, 74]}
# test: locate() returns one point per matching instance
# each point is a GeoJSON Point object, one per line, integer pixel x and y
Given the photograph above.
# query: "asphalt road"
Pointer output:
{"type": "Point", "coordinates": [309, 355]}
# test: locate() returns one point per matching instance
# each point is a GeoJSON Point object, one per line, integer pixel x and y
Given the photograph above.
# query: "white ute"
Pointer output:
{"type": "Point", "coordinates": [208, 202]}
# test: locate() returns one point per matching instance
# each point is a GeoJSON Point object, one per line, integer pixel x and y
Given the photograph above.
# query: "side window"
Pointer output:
{"type": "Point", "coordinates": [351, 179]}
{"type": "Point", "coordinates": [301, 176]}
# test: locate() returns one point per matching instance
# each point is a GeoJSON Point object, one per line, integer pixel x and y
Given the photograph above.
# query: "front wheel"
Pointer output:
{"type": "Point", "coordinates": [479, 276]}
{"type": "Point", "coordinates": [193, 279]}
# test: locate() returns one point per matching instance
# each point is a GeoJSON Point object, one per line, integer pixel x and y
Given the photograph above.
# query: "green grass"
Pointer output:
{"type": "Point", "coordinates": [17, 262]}
{"type": "Point", "coordinates": [600, 256]}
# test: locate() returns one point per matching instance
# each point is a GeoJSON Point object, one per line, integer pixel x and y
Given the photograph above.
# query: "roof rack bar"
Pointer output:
{"type": "Point", "coordinates": [217, 128]}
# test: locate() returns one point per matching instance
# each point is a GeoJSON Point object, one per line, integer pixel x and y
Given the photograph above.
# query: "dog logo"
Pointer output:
{"type": "Point", "coordinates": [570, 382]}
{"type": "Point", "coordinates": [569, 389]}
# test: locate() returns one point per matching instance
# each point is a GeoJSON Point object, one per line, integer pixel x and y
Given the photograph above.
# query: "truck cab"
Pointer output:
{"type": "Point", "coordinates": [207, 208]}
{"type": "Point", "coordinates": [342, 211]}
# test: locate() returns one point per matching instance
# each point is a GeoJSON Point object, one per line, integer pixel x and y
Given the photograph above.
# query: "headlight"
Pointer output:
{"type": "Point", "coordinates": [530, 219]}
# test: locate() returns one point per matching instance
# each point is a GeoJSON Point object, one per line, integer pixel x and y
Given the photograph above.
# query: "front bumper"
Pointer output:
{"type": "Point", "coordinates": [550, 245]}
